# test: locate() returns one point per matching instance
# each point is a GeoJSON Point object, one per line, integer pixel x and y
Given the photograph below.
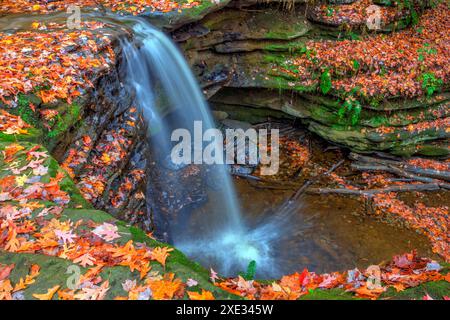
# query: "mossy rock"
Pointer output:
{"type": "Point", "coordinates": [400, 142]}
{"type": "Point", "coordinates": [174, 19]}
{"type": "Point", "coordinates": [437, 290]}
{"type": "Point", "coordinates": [33, 135]}
{"type": "Point", "coordinates": [256, 29]}
{"type": "Point", "coordinates": [56, 271]}
{"type": "Point", "coordinates": [329, 294]}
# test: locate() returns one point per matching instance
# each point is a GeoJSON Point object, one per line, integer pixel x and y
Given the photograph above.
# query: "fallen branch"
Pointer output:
{"type": "Point", "coordinates": [436, 174]}
{"type": "Point", "coordinates": [371, 192]}
{"type": "Point", "coordinates": [372, 160]}
{"type": "Point", "coordinates": [258, 185]}
{"type": "Point", "coordinates": [365, 163]}
{"type": "Point", "coordinates": [399, 172]}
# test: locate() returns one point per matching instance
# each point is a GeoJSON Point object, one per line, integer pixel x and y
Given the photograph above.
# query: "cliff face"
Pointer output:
{"type": "Point", "coordinates": [321, 64]}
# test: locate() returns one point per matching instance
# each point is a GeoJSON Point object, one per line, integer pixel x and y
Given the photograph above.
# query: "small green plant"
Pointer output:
{"type": "Point", "coordinates": [251, 271]}
{"type": "Point", "coordinates": [414, 16]}
{"type": "Point", "coordinates": [426, 49]}
{"type": "Point", "coordinates": [325, 82]}
{"type": "Point", "coordinates": [309, 53]}
{"type": "Point", "coordinates": [430, 83]}
{"type": "Point", "coordinates": [350, 110]}
{"type": "Point", "coordinates": [330, 11]}
{"type": "Point", "coordinates": [353, 36]}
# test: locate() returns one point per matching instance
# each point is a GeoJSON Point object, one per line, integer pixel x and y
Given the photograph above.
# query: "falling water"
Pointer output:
{"type": "Point", "coordinates": [156, 66]}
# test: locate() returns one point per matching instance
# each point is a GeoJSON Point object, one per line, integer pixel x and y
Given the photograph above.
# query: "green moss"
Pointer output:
{"type": "Point", "coordinates": [290, 47]}
{"type": "Point", "coordinates": [24, 110]}
{"type": "Point", "coordinates": [67, 117]}
{"type": "Point", "coordinates": [76, 199]}
{"type": "Point", "coordinates": [32, 135]}
{"type": "Point", "coordinates": [54, 271]}
{"type": "Point", "coordinates": [437, 290]}
{"type": "Point", "coordinates": [330, 294]}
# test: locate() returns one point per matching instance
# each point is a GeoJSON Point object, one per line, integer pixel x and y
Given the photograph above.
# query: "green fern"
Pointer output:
{"type": "Point", "coordinates": [350, 110]}
{"type": "Point", "coordinates": [430, 83]}
{"type": "Point", "coordinates": [325, 82]}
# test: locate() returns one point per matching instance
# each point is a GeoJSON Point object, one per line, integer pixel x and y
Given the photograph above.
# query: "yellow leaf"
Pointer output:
{"type": "Point", "coordinates": [5, 290]}
{"type": "Point", "coordinates": [20, 180]}
{"type": "Point", "coordinates": [106, 159]}
{"type": "Point", "coordinates": [20, 286]}
{"type": "Point", "coordinates": [47, 296]}
{"type": "Point", "coordinates": [29, 279]}
{"type": "Point", "coordinates": [399, 287]}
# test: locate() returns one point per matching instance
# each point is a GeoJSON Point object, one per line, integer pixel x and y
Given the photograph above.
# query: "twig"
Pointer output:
{"type": "Point", "coordinates": [247, 176]}
{"type": "Point", "coordinates": [314, 179]}
{"type": "Point", "coordinates": [263, 186]}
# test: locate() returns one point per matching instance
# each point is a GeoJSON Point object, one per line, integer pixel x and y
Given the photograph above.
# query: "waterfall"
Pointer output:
{"type": "Point", "coordinates": [164, 84]}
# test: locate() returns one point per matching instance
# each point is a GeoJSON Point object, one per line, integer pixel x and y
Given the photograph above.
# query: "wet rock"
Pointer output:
{"type": "Point", "coordinates": [220, 115]}
{"type": "Point", "coordinates": [402, 131]}
{"type": "Point", "coordinates": [234, 25]}
{"type": "Point", "coordinates": [175, 19]}
{"type": "Point", "coordinates": [235, 124]}
{"type": "Point", "coordinates": [168, 202]}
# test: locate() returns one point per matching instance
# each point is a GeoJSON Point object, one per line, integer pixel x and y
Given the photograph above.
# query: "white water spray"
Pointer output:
{"type": "Point", "coordinates": [158, 65]}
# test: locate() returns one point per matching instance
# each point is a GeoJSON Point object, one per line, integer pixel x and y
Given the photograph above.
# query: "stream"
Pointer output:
{"type": "Point", "coordinates": [322, 234]}
{"type": "Point", "coordinates": [233, 222]}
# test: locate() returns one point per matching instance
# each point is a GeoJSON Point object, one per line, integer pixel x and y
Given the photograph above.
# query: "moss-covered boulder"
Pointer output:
{"type": "Point", "coordinates": [366, 107]}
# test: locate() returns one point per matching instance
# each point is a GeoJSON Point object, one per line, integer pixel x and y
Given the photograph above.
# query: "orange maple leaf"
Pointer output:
{"type": "Point", "coordinates": [5, 271]}
{"type": "Point", "coordinates": [447, 277]}
{"type": "Point", "coordinates": [364, 292]}
{"type": "Point", "coordinates": [85, 260]}
{"type": "Point", "coordinates": [166, 288]}
{"type": "Point", "coordinates": [205, 295]}
{"type": "Point", "coordinates": [13, 243]}
{"type": "Point", "coordinates": [160, 254]}
{"type": "Point", "coordinates": [66, 294]}
{"type": "Point", "coordinates": [10, 151]}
